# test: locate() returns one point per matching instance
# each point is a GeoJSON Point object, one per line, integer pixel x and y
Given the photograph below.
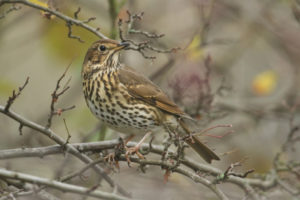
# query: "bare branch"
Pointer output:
{"type": "Point", "coordinates": [69, 135]}
{"type": "Point", "coordinates": [70, 35]}
{"type": "Point", "coordinates": [58, 14]}
{"type": "Point", "coordinates": [145, 33]}
{"type": "Point", "coordinates": [141, 47]}
{"type": "Point", "coordinates": [15, 95]}
{"type": "Point", "coordinates": [77, 12]}
{"type": "Point", "coordinates": [55, 95]}
{"type": "Point", "coordinates": [12, 8]}
{"type": "Point", "coordinates": [89, 20]}
{"type": "Point", "coordinates": [69, 148]}
{"type": "Point", "coordinates": [59, 185]}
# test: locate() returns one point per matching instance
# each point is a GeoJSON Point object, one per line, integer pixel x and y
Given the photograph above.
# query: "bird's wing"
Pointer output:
{"type": "Point", "coordinates": [142, 88]}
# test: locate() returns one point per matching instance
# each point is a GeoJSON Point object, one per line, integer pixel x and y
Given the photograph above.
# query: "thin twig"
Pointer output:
{"type": "Point", "coordinates": [15, 95]}
{"type": "Point", "coordinates": [55, 95]}
{"type": "Point", "coordinates": [59, 185]}
{"type": "Point", "coordinates": [69, 135]}
{"type": "Point", "coordinates": [12, 8]}
{"type": "Point", "coordinates": [69, 148]}
{"type": "Point", "coordinates": [143, 46]}
{"type": "Point", "coordinates": [70, 35]}
{"type": "Point", "coordinates": [58, 14]}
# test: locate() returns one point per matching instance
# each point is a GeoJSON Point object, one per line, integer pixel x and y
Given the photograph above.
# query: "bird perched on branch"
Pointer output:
{"type": "Point", "coordinates": [128, 102]}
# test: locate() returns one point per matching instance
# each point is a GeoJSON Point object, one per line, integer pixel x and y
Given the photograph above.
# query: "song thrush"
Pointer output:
{"type": "Point", "coordinates": [127, 101]}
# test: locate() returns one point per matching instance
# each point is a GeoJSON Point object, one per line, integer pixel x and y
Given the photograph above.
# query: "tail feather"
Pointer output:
{"type": "Point", "coordinates": [207, 154]}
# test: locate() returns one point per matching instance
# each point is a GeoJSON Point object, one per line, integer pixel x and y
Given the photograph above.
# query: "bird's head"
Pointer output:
{"type": "Point", "coordinates": [102, 55]}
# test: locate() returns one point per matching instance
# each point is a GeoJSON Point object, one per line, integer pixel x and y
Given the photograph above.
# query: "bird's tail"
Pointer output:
{"type": "Point", "coordinates": [207, 154]}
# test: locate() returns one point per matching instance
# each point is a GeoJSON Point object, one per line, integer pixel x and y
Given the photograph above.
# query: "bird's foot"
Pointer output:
{"type": "Point", "coordinates": [110, 158]}
{"type": "Point", "coordinates": [131, 150]}
{"type": "Point", "coordinates": [189, 137]}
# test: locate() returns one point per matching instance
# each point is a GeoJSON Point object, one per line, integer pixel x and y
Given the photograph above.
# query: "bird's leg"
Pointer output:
{"type": "Point", "coordinates": [112, 158]}
{"type": "Point", "coordinates": [135, 149]}
{"type": "Point", "coordinates": [185, 128]}
{"type": "Point", "coordinates": [128, 139]}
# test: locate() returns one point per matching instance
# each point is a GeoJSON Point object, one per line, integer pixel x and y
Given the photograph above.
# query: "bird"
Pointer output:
{"type": "Point", "coordinates": [127, 101]}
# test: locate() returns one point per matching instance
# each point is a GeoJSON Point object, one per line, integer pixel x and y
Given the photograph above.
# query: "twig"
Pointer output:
{"type": "Point", "coordinates": [143, 46]}
{"type": "Point", "coordinates": [145, 33]}
{"type": "Point", "coordinates": [156, 149]}
{"type": "Point", "coordinates": [70, 35]}
{"type": "Point", "coordinates": [55, 95]}
{"type": "Point", "coordinates": [196, 178]}
{"type": "Point", "coordinates": [81, 171]}
{"type": "Point", "coordinates": [229, 171]}
{"type": "Point", "coordinates": [77, 12]}
{"type": "Point", "coordinates": [208, 129]}
{"type": "Point", "coordinates": [12, 8]}
{"type": "Point", "coordinates": [58, 14]}
{"type": "Point", "coordinates": [69, 135]}
{"type": "Point", "coordinates": [69, 148]}
{"type": "Point", "coordinates": [59, 185]}
{"type": "Point", "coordinates": [20, 129]}
{"type": "Point", "coordinates": [15, 95]}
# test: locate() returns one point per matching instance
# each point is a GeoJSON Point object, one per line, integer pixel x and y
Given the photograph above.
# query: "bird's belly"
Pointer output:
{"type": "Point", "coordinates": [128, 119]}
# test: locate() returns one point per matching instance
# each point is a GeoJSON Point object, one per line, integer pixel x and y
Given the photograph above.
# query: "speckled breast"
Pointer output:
{"type": "Point", "coordinates": [109, 100]}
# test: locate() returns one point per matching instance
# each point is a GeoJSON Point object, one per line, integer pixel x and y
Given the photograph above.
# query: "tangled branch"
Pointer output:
{"type": "Point", "coordinates": [6, 174]}
{"type": "Point", "coordinates": [55, 95]}
{"type": "Point", "coordinates": [69, 20]}
{"type": "Point", "coordinates": [55, 137]}
{"type": "Point", "coordinates": [143, 46]}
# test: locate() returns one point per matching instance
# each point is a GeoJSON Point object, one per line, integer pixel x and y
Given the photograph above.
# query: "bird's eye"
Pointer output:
{"type": "Point", "coordinates": [102, 48]}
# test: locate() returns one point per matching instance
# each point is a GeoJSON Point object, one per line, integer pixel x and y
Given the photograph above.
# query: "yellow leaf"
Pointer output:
{"type": "Point", "coordinates": [45, 5]}
{"type": "Point", "coordinates": [37, 2]}
{"type": "Point", "coordinates": [264, 83]}
{"type": "Point", "coordinates": [194, 52]}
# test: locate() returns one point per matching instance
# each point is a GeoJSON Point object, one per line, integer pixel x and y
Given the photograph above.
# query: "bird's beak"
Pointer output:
{"type": "Point", "coordinates": [122, 45]}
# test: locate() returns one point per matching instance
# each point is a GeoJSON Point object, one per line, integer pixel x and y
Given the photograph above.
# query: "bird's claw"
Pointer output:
{"type": "Point", "coordinates": [133, 150]}
{"type": "Point", "coordinates": [110, 158]}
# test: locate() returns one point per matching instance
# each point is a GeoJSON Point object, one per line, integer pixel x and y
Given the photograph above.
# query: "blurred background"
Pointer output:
{"type": "Point", "coordinates": [238, 64]}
